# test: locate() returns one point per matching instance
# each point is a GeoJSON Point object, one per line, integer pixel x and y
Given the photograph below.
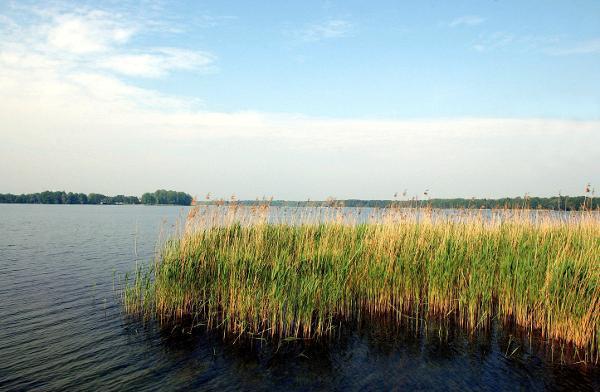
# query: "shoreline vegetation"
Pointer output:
{"type": "Point", "coordinates": [159, 197]}
{"type": "Point", "coordinates": [233, 268]}
{"type": "Point", "coordinates": [557, 203]}
{"type": "Point", "coordinates": [163, 197]}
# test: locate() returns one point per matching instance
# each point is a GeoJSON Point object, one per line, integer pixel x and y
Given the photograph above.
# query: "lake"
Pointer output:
{"type": "Point", "coordinates": [61, 327]}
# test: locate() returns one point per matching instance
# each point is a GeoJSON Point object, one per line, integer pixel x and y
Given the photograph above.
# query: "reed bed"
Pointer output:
{"type": "Point", "coordinates": [298, 273]}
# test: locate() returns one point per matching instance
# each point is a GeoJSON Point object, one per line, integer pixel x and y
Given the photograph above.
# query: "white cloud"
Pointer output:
{"type": "Point", "coordinates": [467, 20]}
{"type": "Point", "coordinates": [95, 40]}
{"type": "Point", "coordinates": [94, 31]}
{"type": "Point", "coordinates": [335, 28]}
{"type": "Point", "coordinates": [157, 62]}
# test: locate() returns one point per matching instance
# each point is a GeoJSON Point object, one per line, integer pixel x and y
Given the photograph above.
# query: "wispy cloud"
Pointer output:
{"type": "Point", "coordinates": [7, 24]}
{"type": "Point", "coordinates": [502, 40]}
{"type": "Point", "coordinates": [466, 20]}
{"type": "Point", "coordinates": [334, 28]}
{"type": "Point", "coordinates": [496, 40]}
{"type": "Point", "coordinates": [157, 62]}
{"type": "Point", "coordinates": [585, 47]}
{"type": "Point", "coordinates": [92, 40]}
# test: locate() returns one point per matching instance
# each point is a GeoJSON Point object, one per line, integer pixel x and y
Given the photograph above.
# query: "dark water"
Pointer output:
{"type": "Point", "coordinates": [61, 328]}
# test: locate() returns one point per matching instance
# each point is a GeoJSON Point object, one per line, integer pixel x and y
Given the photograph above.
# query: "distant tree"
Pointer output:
{"type": "Point", "coordinates": [184, 199]}
{"type": "Point", "coordinates": [72, 198]}
{"type": "Point", "coordinates": [162, 196]}
{"type": "Point", "coordinates": [46, 197]}
{"type": "Point", "coordinates": [95, 198]}
{"type": "Point", "coordinates": [148, 198]}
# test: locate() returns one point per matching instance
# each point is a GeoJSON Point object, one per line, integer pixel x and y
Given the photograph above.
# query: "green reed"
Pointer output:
{"type": "Point", "coordinates": [298, 278]}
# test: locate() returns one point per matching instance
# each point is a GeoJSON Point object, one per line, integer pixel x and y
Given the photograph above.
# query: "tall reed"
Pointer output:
{"type": "Point", "coordinates": [297, 273]}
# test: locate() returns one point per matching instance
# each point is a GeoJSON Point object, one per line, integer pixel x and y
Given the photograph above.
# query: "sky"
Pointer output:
{"type": "Point", "coordinates": [298, 100]}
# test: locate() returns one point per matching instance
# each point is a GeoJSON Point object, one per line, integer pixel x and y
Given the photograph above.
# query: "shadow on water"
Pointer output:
{"type": "Point", "coordinates": [371, 354]}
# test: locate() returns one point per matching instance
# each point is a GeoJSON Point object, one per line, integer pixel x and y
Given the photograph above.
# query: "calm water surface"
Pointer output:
{"type": "Point", "coordinates": [61, 328]}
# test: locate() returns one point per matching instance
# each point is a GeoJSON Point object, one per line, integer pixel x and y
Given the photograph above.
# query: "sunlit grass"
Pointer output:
{"type": "Point", "coordinates": [299, 276]}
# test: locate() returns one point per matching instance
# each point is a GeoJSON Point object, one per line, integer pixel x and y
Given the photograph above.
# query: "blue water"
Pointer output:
{"type": "Point", "coordinates": [61, 327]}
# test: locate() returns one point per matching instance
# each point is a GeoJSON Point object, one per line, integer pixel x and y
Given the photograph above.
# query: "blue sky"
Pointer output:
{"type": "Point", "coordinates": [396, 61]}
{"type": "Point", "coordinates": [301, 99]}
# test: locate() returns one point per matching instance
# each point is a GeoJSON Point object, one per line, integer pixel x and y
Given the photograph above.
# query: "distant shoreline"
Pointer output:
{"type": "Point", "coordinates": [558, 203]}
{"type": "Point", "coordinates": [159, 197]}
{"type": "Point", "coordinates": [172, 198]}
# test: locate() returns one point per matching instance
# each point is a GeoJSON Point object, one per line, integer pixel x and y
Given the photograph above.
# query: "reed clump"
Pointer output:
{"type": "Point", "coordinates": [297, 273]}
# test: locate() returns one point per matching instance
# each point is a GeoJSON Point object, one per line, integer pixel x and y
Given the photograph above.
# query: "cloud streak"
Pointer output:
{"type": "Point", "coordinates": [334, 28]}
{"type": "Point", "coordinates": [158, 62]}
{"type": "Point", "coordinates": [494, 41]}
{"type": "Point", "coordinates": [466, 20]}
{"type": "Point", "coordinates": [591, 46]}
{"type": "Point", "coordinates": [554, 45]}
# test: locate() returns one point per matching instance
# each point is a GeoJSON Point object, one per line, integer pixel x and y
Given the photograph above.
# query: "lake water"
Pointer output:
{"type": "Point", "coordinates": [62, 329]}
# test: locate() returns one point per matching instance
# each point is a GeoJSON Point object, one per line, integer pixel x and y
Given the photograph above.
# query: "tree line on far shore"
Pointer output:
{"type": "Point", "coordinates": [563, 203]}
{"type": "Point", "coordinates": [164, 197]}
{"type": "Point", "coordinates": [160, 196]}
